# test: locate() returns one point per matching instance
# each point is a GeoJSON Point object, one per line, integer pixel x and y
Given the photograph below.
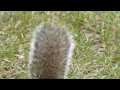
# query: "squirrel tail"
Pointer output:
{"type": "Point", "coordinates": [51, 51]}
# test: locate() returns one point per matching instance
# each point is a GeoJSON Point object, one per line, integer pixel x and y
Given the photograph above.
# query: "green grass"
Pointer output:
{"type": "Point", "coordinates": [97, 37]}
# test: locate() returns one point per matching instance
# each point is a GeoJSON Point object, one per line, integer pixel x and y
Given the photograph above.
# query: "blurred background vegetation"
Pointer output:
{"type": "Point", "coordinates": [96, 33]}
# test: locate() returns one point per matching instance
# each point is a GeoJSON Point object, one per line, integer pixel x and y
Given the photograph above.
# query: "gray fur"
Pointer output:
{"type": "Point", "coordinates": [51, 51]}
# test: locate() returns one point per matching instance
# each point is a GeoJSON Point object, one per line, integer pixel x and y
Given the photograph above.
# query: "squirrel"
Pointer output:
{"type": "Point", "coordinates": [51, 51]}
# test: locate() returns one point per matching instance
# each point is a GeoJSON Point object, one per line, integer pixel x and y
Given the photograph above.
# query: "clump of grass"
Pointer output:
{"type": "Point", "coordinates": [96, 35]}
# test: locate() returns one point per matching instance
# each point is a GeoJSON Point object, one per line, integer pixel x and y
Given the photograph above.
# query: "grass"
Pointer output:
{"type": "Point", "coordinates": [97, 37]}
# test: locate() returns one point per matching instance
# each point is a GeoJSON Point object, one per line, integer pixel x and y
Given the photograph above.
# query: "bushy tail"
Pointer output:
{"type": "Point", "coordinates": [50, 52]}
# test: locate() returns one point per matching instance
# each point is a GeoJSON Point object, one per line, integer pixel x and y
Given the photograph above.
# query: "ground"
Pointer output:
{"type": "Point", "coordinates": [96, 34]}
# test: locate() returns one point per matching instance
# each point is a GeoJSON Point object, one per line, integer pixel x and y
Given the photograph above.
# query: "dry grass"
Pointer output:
{"type": "Point", "coordinates": [96, 34]}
